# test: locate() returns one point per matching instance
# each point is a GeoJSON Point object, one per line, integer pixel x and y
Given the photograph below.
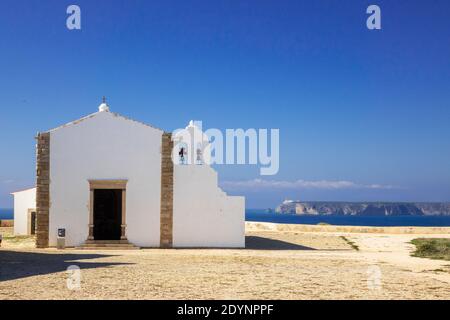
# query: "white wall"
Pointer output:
{"type": "Point", "coordinates": [23, 201]}
{"type": "Point", "coordinates": [203, 215]}
{"type": "Point", "coordinates": [105, 146]}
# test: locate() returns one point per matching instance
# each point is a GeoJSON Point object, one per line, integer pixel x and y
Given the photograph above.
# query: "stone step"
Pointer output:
{"type": "Point", "coordinates": [108, 248]}
{"type": "Point", "coordinates": [107, 245]}
{"type": "Point", "coordinates": [106, 242]}
{"type": "Point", "coordinates": [124, 245]}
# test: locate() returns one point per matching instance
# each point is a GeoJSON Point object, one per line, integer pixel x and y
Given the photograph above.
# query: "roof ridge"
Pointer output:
{"type": "Point", "coordinates": [75, 122]}
{"type": "Point", "coordinates": [22, 190]}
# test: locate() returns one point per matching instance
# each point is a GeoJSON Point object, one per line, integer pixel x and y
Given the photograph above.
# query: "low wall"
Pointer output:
{"type": "Point", "coordinates": [266, 226]}
{"type": "Point", "coordinates": [6, 223]}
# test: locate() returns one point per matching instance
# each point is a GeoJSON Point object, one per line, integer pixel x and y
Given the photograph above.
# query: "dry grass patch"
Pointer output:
{"type": "Point", "coordinates": [438, 248]}
{"type": "Point", "coordinates": [10, 240]}
{"type": "Point", "coordinates": [350, 243]}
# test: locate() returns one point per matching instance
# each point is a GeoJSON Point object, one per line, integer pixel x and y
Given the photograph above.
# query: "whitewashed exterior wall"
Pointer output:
{"type": "Point", "coordinates": [203, 215]}
{"type": "Point", "coordinates": [23, 202]}
{"type": "Point", "coordinates": [105, 146]}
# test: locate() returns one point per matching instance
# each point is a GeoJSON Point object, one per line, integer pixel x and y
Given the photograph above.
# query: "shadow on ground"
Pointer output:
{"type": "Point", "coordinates": [260, 243]}
{"type": "Point", "coordinates": [17, 264]}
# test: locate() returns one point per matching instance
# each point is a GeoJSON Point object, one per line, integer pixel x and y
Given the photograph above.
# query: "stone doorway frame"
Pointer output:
{"type": "Point", "coordinates": [107, 184]}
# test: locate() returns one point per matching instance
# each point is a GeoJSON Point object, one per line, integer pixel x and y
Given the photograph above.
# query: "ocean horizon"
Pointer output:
{"type": "Point", "coordinates": [6, 214]}
{"type": "Point", "coordinates": [261, 215]}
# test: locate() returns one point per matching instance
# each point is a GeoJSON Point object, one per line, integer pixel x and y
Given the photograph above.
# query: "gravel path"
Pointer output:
{"type": "Point", "coordinates": [275, 265]}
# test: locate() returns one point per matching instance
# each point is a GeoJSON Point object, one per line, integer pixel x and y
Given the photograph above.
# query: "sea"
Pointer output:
{"type": "Point", "coordinates": [6, 214]}
{"type": "Point", "coordinates": [261, 215]}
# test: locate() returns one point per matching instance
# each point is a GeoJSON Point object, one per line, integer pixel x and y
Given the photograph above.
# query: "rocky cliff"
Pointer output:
{"type": "Point", "coordinates": [364, 208]}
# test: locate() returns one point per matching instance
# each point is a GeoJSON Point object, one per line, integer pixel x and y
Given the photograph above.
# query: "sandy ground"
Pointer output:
{"type": "Point", "coordinates": [275, 265]}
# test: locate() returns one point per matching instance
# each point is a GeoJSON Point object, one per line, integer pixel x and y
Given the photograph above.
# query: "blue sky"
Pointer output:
{"type": "Point", "coordinates": [355, 108]}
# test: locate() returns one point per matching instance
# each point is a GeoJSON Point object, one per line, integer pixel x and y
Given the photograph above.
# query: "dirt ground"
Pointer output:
{"type": "Point", "coordinates": [275, 265]}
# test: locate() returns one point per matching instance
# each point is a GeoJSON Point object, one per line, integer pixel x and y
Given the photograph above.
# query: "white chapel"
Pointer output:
{"type": "Point", "coordinates": [107, 179]}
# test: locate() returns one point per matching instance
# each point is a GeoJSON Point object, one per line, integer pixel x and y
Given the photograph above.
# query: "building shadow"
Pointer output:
{"type": "Point", "coordinates": [17, 264]}
{"type": "Point", "coordinates": [260, 243]}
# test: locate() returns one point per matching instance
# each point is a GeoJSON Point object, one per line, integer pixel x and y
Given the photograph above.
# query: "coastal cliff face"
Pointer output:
{"type": "Point", "coordinates": [364, 208]}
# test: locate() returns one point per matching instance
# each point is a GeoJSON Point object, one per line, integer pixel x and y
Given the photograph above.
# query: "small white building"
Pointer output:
{"type": "Point", "coordinates": [108, 179]}
{"type": "Point", "coordinates": [25, 212]}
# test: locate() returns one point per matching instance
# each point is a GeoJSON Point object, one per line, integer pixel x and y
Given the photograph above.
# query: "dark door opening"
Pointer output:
{"type": "Point", "coordinates": [107, 214]}
{"type": "Point", "coordinates": [33, 223]}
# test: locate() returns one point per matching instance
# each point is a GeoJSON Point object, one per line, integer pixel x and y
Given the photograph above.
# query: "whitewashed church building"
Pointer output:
{"type": "Point", "coordinates": [109, 180]}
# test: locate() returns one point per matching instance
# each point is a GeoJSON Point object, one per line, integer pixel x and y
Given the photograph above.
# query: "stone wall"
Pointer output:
{"type": "Point", "coordinates": [166, 226]}
{"type": "Point", "coordinates": [279, 227]}
{"type": "Point", "coordinates": [42, 191]}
